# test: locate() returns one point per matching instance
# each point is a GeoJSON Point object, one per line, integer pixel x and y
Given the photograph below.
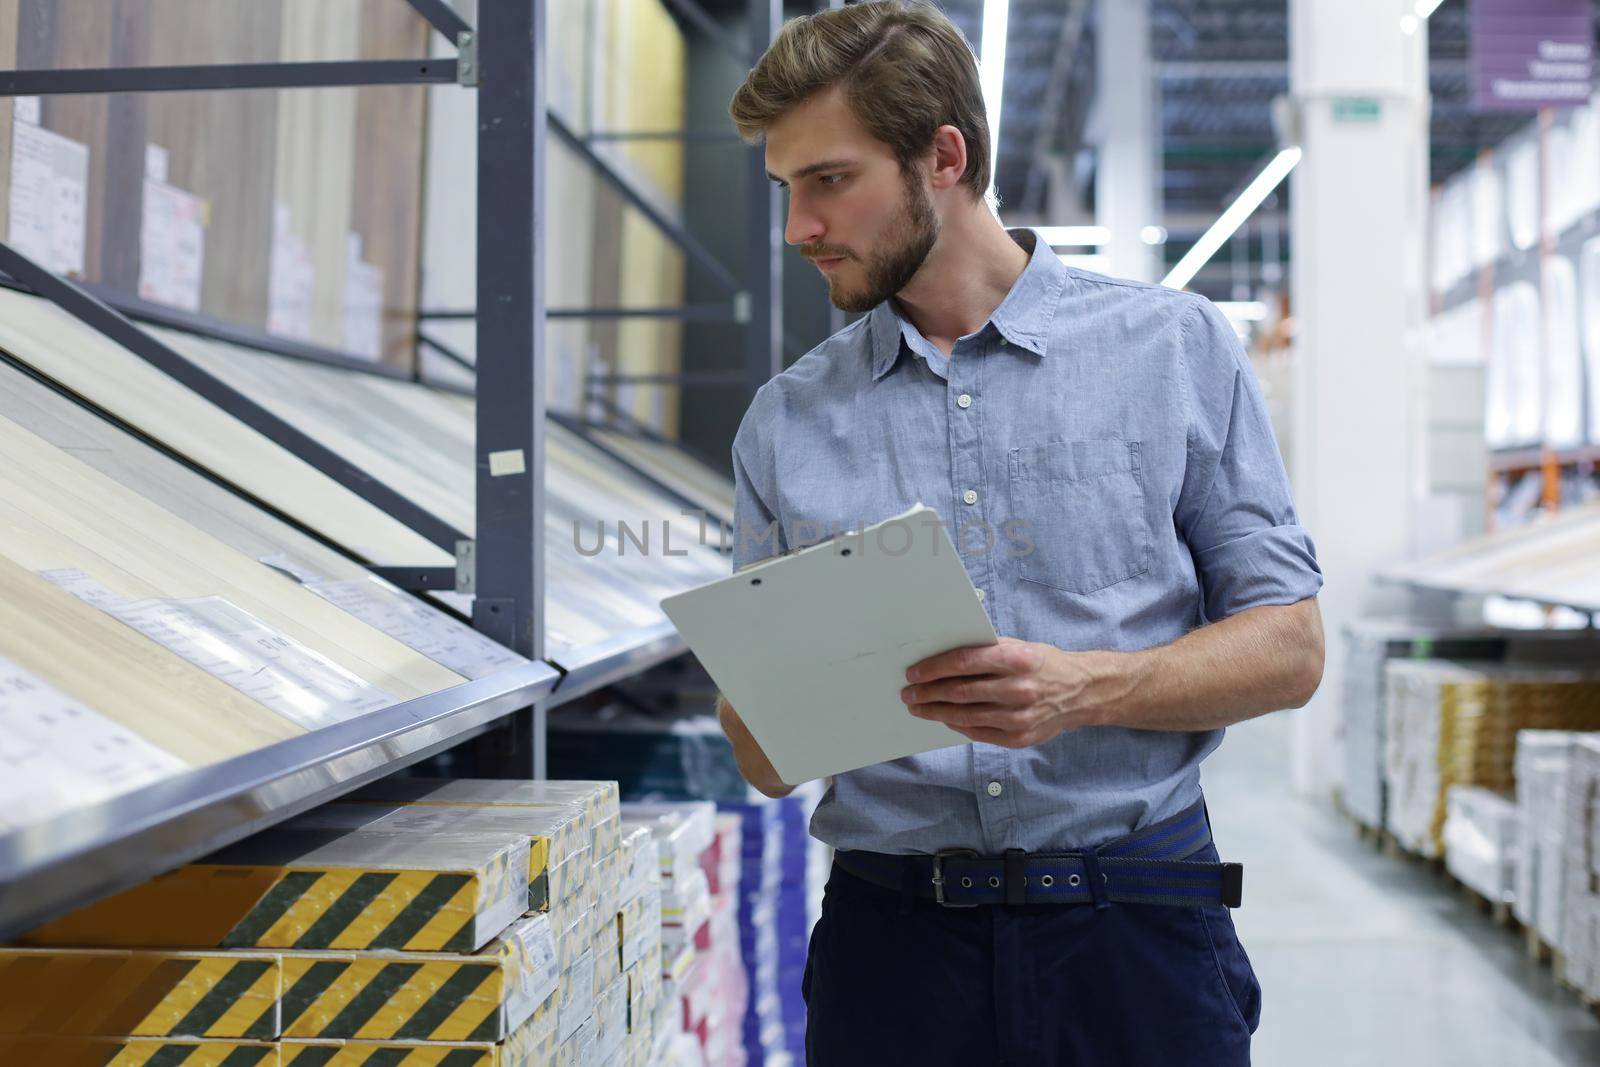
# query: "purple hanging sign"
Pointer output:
{"type": "Point", "coordinates": [1528, 54]}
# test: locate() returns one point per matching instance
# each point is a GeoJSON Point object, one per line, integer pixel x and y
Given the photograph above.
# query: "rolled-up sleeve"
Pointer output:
{"type": "Point", "coordinates": [1234, 510]}
{"type": "Point", "coordinates": [757, 534]}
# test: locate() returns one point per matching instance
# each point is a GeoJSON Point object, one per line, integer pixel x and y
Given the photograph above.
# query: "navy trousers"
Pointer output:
{"type": "Point", "coordinates": [893, 979]}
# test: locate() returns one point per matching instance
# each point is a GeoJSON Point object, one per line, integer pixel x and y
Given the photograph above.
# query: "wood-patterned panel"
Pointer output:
{"type": "Point", "coordinates": [56, 511]}
{"type": "Point", "coordinates": [222, 145]}
{"type": "Point", "coordinates": [387, 211]}
{"type": "Point", "coordinates": [125, 676]}
{"type": "Point", "coordinates": [47, 339]}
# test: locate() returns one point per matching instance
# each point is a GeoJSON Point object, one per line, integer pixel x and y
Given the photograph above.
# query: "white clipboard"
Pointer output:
{"type": "Point", "coordinates": [811, 648]}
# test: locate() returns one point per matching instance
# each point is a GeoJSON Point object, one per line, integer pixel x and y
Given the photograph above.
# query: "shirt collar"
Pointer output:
{"type": "Point", "coordinates": [1024, 317]}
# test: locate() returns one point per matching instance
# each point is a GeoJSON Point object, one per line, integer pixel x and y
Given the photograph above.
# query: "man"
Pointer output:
{"type": "Point", "coordinates": [1162, 589]}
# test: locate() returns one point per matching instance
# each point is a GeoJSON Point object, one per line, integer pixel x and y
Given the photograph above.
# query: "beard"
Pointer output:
{"type": "Point", "coordinates": [907, 240]}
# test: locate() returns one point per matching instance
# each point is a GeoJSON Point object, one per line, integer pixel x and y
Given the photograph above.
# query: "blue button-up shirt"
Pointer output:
{"type": "Point", "coordinates": [1104, 463]}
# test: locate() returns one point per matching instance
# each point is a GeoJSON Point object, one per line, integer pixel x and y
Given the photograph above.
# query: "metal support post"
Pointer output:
{"type": "Point", "coordinates": [512, 125]}
{"type": "Point", "coordinates": [764, 234]}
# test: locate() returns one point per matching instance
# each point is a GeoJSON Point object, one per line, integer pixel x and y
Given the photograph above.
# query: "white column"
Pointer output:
{"type": "Point", "coordinates": [1358, 216]}
{"type": "Point", "coordinates": [1127, 180]}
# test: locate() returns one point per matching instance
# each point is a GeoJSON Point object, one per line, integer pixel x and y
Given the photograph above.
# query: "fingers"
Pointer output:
{"type": "Point", "coordinates": [987, 716]}
{"type": "Point", "coordinates": [1008, 657]}
{"type": "Point", "coordinates": [1009, 690]}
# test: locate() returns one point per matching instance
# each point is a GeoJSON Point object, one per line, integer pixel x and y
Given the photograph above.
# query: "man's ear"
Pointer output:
{"type": "Point", "coordinates": [949, 158]}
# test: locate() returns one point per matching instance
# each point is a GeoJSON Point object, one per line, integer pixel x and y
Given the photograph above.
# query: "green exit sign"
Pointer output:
{"type": "Point", "coordinates": [1356, 109]}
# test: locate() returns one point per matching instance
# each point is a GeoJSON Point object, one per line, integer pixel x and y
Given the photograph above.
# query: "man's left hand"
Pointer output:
{"type": "Point", "coordinates": [1015, 694]}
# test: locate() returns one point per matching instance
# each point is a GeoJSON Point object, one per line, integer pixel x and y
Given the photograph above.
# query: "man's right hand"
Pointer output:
{"type": "Point", "coordinates": [753, 762]}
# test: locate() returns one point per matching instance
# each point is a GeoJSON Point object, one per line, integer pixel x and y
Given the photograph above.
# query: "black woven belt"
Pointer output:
{"type": "Point", "coordinates": [1147, 867]}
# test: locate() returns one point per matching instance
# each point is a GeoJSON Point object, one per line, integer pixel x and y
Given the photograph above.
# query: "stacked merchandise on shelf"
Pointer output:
{"type": "Point", "coordinates": [1480, 841]}
{"type": "Point", "coordinates": [1581, 934]}
{"type": "Point", "coordinates": [703, 975]}
{"type": "Point", "coordinates": [1452, 724]}
{"type": "Point", "coordinates": [1544, 780]}
{"type": "Point", "coordinates": [1369, 646]}
{"type": "Point", "coordinates": [426, 919]}
{"type": "Point", "coordinates": [774, 897]}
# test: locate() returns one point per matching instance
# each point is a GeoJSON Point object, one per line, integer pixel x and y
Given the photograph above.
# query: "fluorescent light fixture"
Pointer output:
{"type": "Point", "coordinates": [1153, 235]}
{"type": "Point", "coordinates": [1425, 8]}
{"type": "Point", "coordinates": [1242, 208]}
{"type": "Point", "coordinates": [1409, 24]}
{"type": "Point", "coordinates": [992, 73]}
{"type": "Point", "coordinates": [1072, 236]}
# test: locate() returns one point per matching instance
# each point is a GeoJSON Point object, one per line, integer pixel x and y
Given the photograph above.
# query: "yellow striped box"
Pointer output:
{"type": "Point", "coordinates": [112, 993]}
{"type": "Point", "coordinates": [60, 1051]}
{"type": "Point", "coordinates": [569, 877]}
{"type": "Point", "coordinates": [639, 863]}
{"type": "Point", "coordinates": [302, 889]}
{"type": "Point", "coordinates": [607, 837]}
{"type": "Point", "coordinates": [639, 926]}
{"type": "Point", "coordinates": [481, 997]}
{"type": "Point", "coordinates": [611, 1018]}
{"type": "Point", "coordinates": [533, 1044]}
{"type": "Point", "coordinates": [574, 997]}
{"type": "Point", "coordinates": [555, 834]}
{"type": "Point", "coordinates": [607, 954]}
{"type": "Point", "coordinates": [607, 884]}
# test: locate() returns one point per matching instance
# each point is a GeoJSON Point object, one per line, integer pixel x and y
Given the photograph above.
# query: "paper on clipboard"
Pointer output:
{"type": "Point", "coordinates": [811, 648]}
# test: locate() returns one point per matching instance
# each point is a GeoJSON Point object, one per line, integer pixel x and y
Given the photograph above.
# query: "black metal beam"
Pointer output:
{"type": "Point", "coordinates": [442, 17]}
{"type": "Point", "coordinates": [447, 351]}
{"type": "Point", "coordinates": [691, 378]}
{"type": "Point", "coordinates": [509, 570]}
{"type": "Point", "coordinates": [686, 313]}
{"type": "Point", "coordinates": [419, 579]}
{"type": "Point", "coordinates": [322, 74]}
{"type": "Point", "coordinates": [93, 313]}
{"type": "Point", "coordinates": [624, 185]}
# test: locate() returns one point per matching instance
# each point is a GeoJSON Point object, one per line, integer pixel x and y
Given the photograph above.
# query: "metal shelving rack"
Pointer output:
{"type": "Point", "coordinates": [51, 867]}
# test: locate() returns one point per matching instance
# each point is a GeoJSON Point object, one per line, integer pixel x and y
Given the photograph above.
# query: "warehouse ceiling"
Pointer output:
{"type": "Point", "coordinates": [1221, 64]}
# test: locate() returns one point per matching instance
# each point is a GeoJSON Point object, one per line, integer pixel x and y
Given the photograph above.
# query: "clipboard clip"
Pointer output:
{"type": "Point", "coordinates": [938, 874]}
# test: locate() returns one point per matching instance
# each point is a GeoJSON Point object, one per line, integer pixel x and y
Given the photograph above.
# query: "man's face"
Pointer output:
{"type": "Point", "coordinates": [865, 223]}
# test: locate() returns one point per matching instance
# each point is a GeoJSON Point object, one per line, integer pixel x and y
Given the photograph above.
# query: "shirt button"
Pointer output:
{"type": "Point", "coordinates": [995, 789]}
{"type": "Point", "coordinates": [964, 401]}
{"type": "Point", "coordinates": [970, 496]}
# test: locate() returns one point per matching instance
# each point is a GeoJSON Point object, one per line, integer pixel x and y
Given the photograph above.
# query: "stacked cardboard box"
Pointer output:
{"type": "Point", "coordinates": [1581, 922]}
{"type": "Point", "coordinates": [1457, 723]}
{"type": "Point", "coordinates": [1369, 645]}
{"type": "Point", "coordinates": [1544, 775]}
{"type": "Point", "coordinates": [426, 921]}
{"type": "Point", "coordinates": [1480, 841]}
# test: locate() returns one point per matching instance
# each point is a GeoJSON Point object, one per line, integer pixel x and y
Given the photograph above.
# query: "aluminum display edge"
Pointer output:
{"type": "Point", "coordinates": [52, 867]}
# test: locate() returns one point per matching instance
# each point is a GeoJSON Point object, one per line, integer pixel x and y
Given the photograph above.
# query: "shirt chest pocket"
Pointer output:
{"type": "Point", "coordinates": [1081, 504]}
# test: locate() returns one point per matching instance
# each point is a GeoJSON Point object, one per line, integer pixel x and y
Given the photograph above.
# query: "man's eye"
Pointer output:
{"type": "Point", "coordinates": [831, 179]}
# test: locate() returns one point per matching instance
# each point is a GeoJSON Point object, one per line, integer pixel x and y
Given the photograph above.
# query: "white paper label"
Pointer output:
{"type": "Point", "coordinates": [444, 640]}
{"type": "Point", "coordinates": [542, 971]}
{"type": "Point", "coordinates": [229, 643]}
{"type": "Point", "coordinates": [363, 303]}
{"type": "Point", "coordinates": [291, 281]}
{"type": "Point", "coordinates": [171, 246]}
{"type": "Point", "coordinates": [49, 197]}
{"type": "Point", "coordinates": [27, 109]}
{"type": "Point", "coordinates": [157, 162]}
{"type": "Point", "coordinates": [293, 566]}
{"type": "Point", "coordinates": [83, 587]}
{"type": "Point", "coordinates": [57, 754]}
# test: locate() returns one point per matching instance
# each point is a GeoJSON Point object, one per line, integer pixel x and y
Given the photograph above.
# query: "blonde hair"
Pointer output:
{"type": "Point", "coordinates": [905, 70]}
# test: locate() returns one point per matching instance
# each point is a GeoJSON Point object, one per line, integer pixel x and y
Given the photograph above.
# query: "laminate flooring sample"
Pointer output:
{"type": "Point", "coordinates": [243, 526]}
{"type": "Point", "coordinates": [59, 514]}
{"type": "Point", "coordinates": [1551, 561]}
{"type": "Point", "coordinates": [675, 468]}
{"type": "Point", "coordinates": [56, 345]}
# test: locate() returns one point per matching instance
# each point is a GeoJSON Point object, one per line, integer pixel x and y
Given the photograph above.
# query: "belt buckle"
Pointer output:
{"type": "Point", "coordinates": [938, 874]}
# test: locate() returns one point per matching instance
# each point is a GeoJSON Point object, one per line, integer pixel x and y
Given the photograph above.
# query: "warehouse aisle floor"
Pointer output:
{"type": "Point", "coordinates": [1370, 960]}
